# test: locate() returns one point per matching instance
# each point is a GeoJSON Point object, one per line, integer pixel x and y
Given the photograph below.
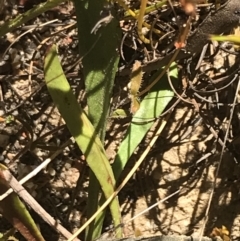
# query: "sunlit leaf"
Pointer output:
{"type": "Point", "coordinates": [80, 127]}
{"type": "Point", "coordinates": [150, 108]}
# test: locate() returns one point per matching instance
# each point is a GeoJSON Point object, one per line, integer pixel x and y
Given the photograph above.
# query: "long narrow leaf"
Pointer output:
{"type": "Point", "coordinates": [80, 127]}
{"type": "Point", "coordinates": [100, 58]}
{"type": "Point", "coordinates": [99, 49]}
{"type": "Point", "coordinates": [151, 107]}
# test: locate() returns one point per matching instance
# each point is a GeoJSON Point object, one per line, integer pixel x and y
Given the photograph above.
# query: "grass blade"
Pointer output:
{"type": "Point", "coordinates": [230, 38]}
{"type": "Point", "coordinates": [150, 108]}
{"type": "Point", "coordinates": [80, 127]}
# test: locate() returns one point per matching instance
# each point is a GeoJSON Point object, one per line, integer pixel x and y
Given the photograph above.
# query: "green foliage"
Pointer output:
{"type": "Point", "coordinates": [150, 108]}
{"type": "Point", "coordinates": [80, 127]}
{"type": "Point", "coordinates": [99, 50]}
{"type": "Point", "coordinates": [100, 61]}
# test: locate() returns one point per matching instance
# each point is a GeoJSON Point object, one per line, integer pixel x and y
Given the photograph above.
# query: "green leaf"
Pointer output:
{"type": "Point", "coordinates": [100, 61]}
{"type": "Point", "coordinates": [80, 127]}
{"type": "Point", "coordinates": [16, 213]}
{"type": "Point", "coordinates": [230, 38]}
{"type": "Point", "coordinates": [150, 108]}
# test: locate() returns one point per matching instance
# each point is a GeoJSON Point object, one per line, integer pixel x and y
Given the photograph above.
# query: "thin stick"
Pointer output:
{"type": "Point", "coordinates": [28, 31]}
{"type": "Point", "coordinates": [219, 164]}
{"type": "Point", "coordinates": [30, 14]}
{"type": "Point", "coordinates": [28, 177]}
{"type": "Point", "coordinates": [37, 169]}
{"type": "Point", "coordinates": [22, 192]}
{"type": "Point", "coordinates": [133, 170]}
